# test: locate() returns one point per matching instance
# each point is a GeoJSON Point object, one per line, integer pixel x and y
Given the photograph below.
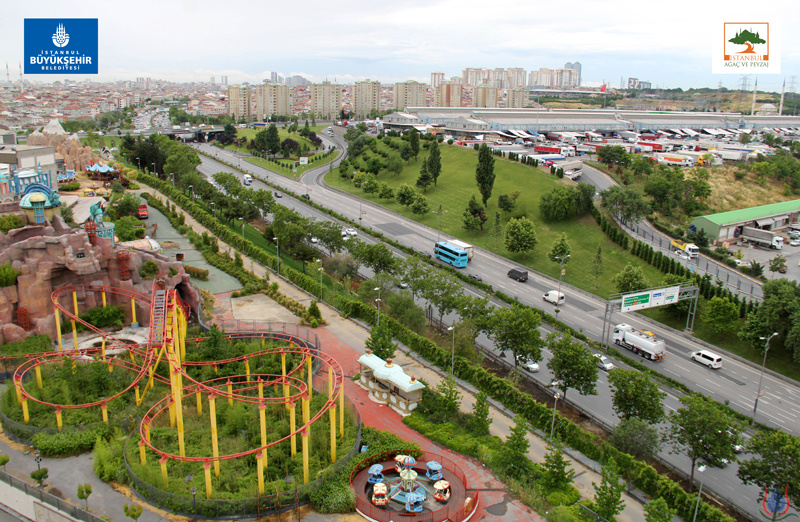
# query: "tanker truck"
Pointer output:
{"type": "Point", "coordinates": [642, 343]}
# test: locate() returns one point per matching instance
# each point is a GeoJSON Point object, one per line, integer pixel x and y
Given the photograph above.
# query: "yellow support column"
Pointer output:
{"type": "Point", "coordinates": [292, 427]}
{"type": "Point", "coordinates": [260, 466]}
{"type": "Point", "coordinates": [341, 411]}
{"type": "Point", "coordinates": [58, 418]}
{"type": "Point", "coordinates": [163, 463]}
{"type": "Point", "coordinates": [27, 418]}
{"type": "Point", "coordinates": [138, 395]}
{"type": "Point", "coordinates": [212, 412]}
{"type": "Point", "coordinates": [179, 411]}
{"type": "Point", "coordinates": [104, 299]}
{"type": "Point", "coordinates": [305, 456]}
{"type": "Point", "coordinates": [74, 330]}
{"type": "Point", "coordinates": [147, 431]}
{"type": "Point", "coordinates": [103, 349]}
{"type": "Point", "coordinates": [247, 369]}
{"type": "Point", "coordinates": [330, 382]}
{"type": "Point", "coordinates": [230, 393]}
{"type": "Point", "coordinates": [58, 330]}
{"type": "Point", "coordinates": [262, 418]}
{"type": "Point", "coordinates": [171, 413]}
{"type": "Point", "coordinates": [133, 310]}
{"type": "Point", "coordinates": [130, 352]}
{"type": "Point", "coordinates": [142, 452]}
{"type": "Point", "coordinates": [38, 369]}
{"type": "Point", "coordinates": [260, 388]}
{"type": "Point", "coordinates": [309, 364]}
{"type": "Point", "coordinates": [110, 366]}
{"type": "Point", "coordinates": [199, 397]}
{"type": "Point", "coordinates": [207, 472]}
{"type": "Point", "coordinates": [104, 411]}
{"type": "Point", "coordinates": [332, 416]}
{"type": "Point", "coordinates": [283, 372]}
{"type": "Point", "coordinates": [18, 389]}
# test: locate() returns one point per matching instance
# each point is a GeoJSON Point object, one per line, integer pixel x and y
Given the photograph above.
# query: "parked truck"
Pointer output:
{"type": "Point", "coordinates": [466, 246]}
{"type": "Point", "coordinates": [554, 149]}
{"type": "Point", "coordinates": [640, 342]}
{"type": "Point", "coordinates": [761, 237]}
{"type": "Point", "coordinates": [674, 159]}
{"type": "Point", "coordinates": [572, 169]}
{"type": "Point", "coordinates": [691, 249]}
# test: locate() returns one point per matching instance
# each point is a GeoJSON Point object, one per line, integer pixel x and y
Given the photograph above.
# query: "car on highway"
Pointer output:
{"type": "Point", "coordinates": [531, 366]}
{"type": "Point", "coordinates": [550, 297]}
{"type": "Point", "coordinates": [476, 277]}
{"type": "Point", "coordinates": [603, 362]}
{"type": "Point", "coordinates": [681, 254]}
{"type": "Point", "coordinates": [401, 284]}
{"type": "Point", "coordinates": [305, 196]}
{"type": "Point", "coordinates": [708, 358]}
{"type": "Point", "coordinates": [794, 242]}
{"type": "Point", "coordinates": [277, 194]}
{"type": "Point", "coordinates": [352, 232]}
{"type": "Point", "coordinates": [314, 240]}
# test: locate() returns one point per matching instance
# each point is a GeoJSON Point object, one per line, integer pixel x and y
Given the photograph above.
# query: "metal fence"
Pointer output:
{"type": "Point", "coordinates": [262, 505]}
{"type": "Point", "coordinates": [47, 498]}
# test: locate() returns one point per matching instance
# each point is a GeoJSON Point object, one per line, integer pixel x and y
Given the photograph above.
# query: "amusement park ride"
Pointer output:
{"type": "Point", "coordinates": [406, 489]}
{"type": "Point", "coordinates": [166, 349]}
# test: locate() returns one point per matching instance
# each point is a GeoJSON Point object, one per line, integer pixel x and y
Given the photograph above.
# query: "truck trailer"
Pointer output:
{"type": "Point", "coordinates": [466, 246]}
{"type": "Point", "coordinates": [674, 159]}
{"type": "Point", "coordinates": [640, 342]}
{"type": "Point", "coordinates": [761, 237]}
{"type": "Point", "coordinates": [554, 149]}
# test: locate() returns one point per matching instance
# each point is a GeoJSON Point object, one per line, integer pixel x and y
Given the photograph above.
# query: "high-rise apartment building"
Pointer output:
{"type": "Point", "coordinates": [276, 78]}
{"type": "Point", "coordinates": [326, 99]}
{"type": "Point", "coordinates": [437, 78]}
{"type": "Point", "coordinates": [515, 77]}
{"type": "Point", "coordinates": [484, 96]}
{"type": "Point", "coordinates": [447, 94]}
{"type": "Point", "coordinates": [575, 66]}
{"type": "Point", "coordinates": [223, 79]}
{"type": "Point", "coordinates": [239, 102]}
{"type": "Point", "coordinates": [366, 97]}
{"type": "Point", "coordinates": [564, 78]}
{"type": "Point", "coordinates": [517, 98]}
{"type": "Point", "coordinates": [474, 77]}
{"type": "Point", "coordinates": [273, 99]}
{"type": "Point", "coordinates": [410, 94]}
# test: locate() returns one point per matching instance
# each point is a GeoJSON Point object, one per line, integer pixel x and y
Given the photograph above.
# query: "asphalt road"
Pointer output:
{"type": "Point", "coordinates": [736, 383]}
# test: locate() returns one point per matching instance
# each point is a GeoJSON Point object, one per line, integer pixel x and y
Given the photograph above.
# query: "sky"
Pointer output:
{"type": "Point", "coordinates": [667, 43]}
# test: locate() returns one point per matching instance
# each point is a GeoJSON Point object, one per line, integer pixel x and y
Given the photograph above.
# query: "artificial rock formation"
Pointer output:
{"type": "Point", "coordinates": [76, 156]}
{"type": "Point", "coordinates": [53, 257]}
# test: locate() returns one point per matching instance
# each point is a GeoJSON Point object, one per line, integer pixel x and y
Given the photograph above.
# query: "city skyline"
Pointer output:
{"type": "Point", "coordinates": [613, 41]}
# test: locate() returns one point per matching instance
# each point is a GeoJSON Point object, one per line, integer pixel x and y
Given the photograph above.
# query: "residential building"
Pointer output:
{"type": "Point", "coordinates": [273, 99]}
{"type": "Point", "coordinates": [473, 77]}
{"type": "Point", "coordinates": [276, 78]}
{"type": "Point", "coordinates": [223, 79]}
{"type": "Point", "coordinates": [517, 98]}
{"type": "Point", "coordinates": [366, 98]}
{"type": "Point", "coordinates": [296, 81]}
{"type": "Point", "coordinates": [326, 99]}
{"type": "Point", "coordinates": [564, 78]}
{"type": "Point", "coordinates": [410, 94]}
{"type": "Point", "coordinates": [437, 78]}
{"type": "Point", "coordinates": [575, 66]}
{"type": "Point", "coordinates": [484, 96]}
{"type": "Point", "coordinates": [448, 94]}
{"type": "Point", "coordinates": [239, 102]}
{"type": "Point", "coordinates": [515, 77]}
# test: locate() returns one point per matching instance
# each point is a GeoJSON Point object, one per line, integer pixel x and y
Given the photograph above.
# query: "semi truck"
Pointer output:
{"type": "Point", "coordinates": [640, 342]}
{"type": "Point", "coordinates": [466, 246]}
{"type": "Point", "coordinates": [572, 169]}
{"type": "Point", "coordinates": [761, 237]}
{"type": "Point", "coordinates": [554, 149]}
{"type": "Point", "coordinates": [691, 249]}
{"type": "Point", "coordinates": [674, 159]}
{"type": "Point", "coordinates": [655, 146]}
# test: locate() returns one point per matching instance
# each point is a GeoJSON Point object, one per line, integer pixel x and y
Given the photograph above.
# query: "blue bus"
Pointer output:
{"type": "Point", "coordinates": [451, 254]}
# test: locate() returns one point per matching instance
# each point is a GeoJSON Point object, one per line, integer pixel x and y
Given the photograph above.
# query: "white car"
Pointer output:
{"type": "Point", "coordinates": [681, 254]}
{"type": "Point", "coordinates": [531, 366]}
{"type": "Point", "coordinates": [314, 240]}
{"type": "Point", "coordinates": [794, 242]}
{"type": "Point", "coordinates": [550, 297]}
{"type": "Point", "coordinates": [352, 232]}
{"type": "Point", "coordinates": [603, 362]}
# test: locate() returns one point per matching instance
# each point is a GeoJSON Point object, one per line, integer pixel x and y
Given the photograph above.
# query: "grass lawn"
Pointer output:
{"type": "Point", "coordinates": [456, 187]}
{"type": "Point", "coordinates": [282, 133]}
{"type": "Point", "coordinates": [288, 164]}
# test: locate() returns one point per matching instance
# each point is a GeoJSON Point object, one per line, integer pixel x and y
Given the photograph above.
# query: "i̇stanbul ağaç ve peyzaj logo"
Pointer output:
{"type": "Point", "coordinates": [746, 45]}
{"type": "Point", "coordinates": [61, 46]}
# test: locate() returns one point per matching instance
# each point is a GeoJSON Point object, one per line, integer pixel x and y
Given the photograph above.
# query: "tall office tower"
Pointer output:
{"type": "Point", "coordinates": [273, 99]}
{"type": "Point", "coordinates": [484, 96]}
{"type": "Point", "coordinates": [296, 81]}
{"type": "Point", "coordinates": [326, 99]}
{"type": "Point", "coordinates": [633, 83]}
{"type": "Point", "coordinates": [447, 94]}
{"type": "Point", "coordinates": [517, 98]}
{"type": "Point", "coordinates": [239, 102]}
{"type": "Point", "coordinates": [366, 97]}
{"type": "Point", "coordinates": [223, 79]}
{"type": "Point", "coordinates": [410, 94]}
{"type": "Point", "coordinates": [575, 66]}
{"type": "Point", "coordinates": [515, 77]}
{"type": "Point", "coordinates": [437, 78]}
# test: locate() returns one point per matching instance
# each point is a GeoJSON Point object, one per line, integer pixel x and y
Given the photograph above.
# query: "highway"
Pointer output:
{"type": "Point", "coordinates": [736, 383]}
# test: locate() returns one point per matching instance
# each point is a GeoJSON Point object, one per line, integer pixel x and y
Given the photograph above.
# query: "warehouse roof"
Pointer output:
{"type": "Point", "coordinates": [749, 214]}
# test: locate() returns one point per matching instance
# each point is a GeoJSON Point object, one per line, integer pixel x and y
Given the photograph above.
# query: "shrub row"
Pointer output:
{"type": "Point", "coordinates": [68, 442]}
{"type": "Point", "coordinates": [610, 229]}
{"type": "Point", "coordinates": [196, 273]}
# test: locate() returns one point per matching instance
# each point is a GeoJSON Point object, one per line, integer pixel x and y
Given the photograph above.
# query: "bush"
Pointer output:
{"type": "Point", "coordinates": [8, 276]}
{"type": "Point", "coordinates": [104, 317]}
{"type": "Point", "coordinates": [109, 463]}
{"type": "Point", "coordinates": [196, 273]}
{"type": "Point", "coordinates": [148, 269]}
{"type": "Point", "coordinates": [69, 187]}
{"type": "Point", "coordinates": [10, 222]}
{"type": "Point", "coordinates": [65, 443]}
{"type": "Point", "coordinates": [564, 497]}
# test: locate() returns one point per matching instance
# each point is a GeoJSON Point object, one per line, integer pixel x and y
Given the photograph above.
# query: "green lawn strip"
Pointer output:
{"type": "Point", "coordinates": [282, 133]}
{"type": "Point", "coordinates": [457, 185]}
{"type": "Point", "coordinates": [287, 165]}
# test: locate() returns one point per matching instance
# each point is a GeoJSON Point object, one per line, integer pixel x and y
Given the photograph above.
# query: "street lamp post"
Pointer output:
{"type": "Point", "coordinates": [278, 246]}
{"type": "Point", "coordinates": [761, 379]}
{"type": "Point", "coordinates": [214, 208]}
{"type": "Point", "coordinates": [701, 469]}
{"type": "Point", "coordinates": [553, 422]}
{"type": "Point", "coordinates": [452, 351]}
{"type": "Point", "coordinates": [439, 231]}
{"type": "Point", "coordinates": [378, 303]}
{"type": "Point", "coordinates": [155, 172]}
{"type": "Point", "coordinates": [321, 272]}
{"type": "Point", "coordinates": [194, 500]}
{"type": "Point", "coordinates": [38, 459]}
{"type": "Point", "coordinates": [242, 230]}
{"type": "Point", "coordinates": [191, 188]}
{"type": "Point", "coordinates": [560, 275]}
{"type": "Point", "coordinates": [139, 161]}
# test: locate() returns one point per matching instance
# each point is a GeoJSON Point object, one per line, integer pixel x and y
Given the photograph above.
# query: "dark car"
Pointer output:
{"type": "Point", "coordinates": [305, 196]}
{"type": "Point", "coordinates": [476, 277]}
{"type": "Point", "coordinates": [278, 194]}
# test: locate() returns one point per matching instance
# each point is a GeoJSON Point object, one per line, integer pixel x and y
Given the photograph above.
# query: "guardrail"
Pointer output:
{"type": "Point", "coordinates": [43, 496]}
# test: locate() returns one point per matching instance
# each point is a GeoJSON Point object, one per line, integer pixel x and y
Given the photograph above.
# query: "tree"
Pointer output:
{"type": "Point", "coordinates": [608, 495]}
{"type": "Point", "coordinates": [572, 364]}
{"type": "Point", "coordinates": [420, 206]}
{"type": "Point", "coordinates": [512, 455]}
{"type": "Point", "coordinates": [480, 414]}
{"type": "Point", "coordinates": [329, 235]}
{"type": "Point", "coordinates": [516, 329]}
{"type": "Point", "coordinates": [658, 511]}
{"type": "Point", "coordinates": [377, 256]}
{"type": "Point", "coordinates": [413, 141]}
{"type": "Point", "coordinates": [641, 166]}
{"type": "Point", "coordinates": [442, 290]}
{"type": "Point", "coordinates": [405, 151]}
{"type": "Point", "coordinates": [385, 191]}
{"type": "Point", "coordinates": [40, 475]}
{"type": "Point", "coordinates": [272, 140]}
{"type": "Point", "coordinates": [721, 315]}
{"type": "Point", "coordinates": [505, 203]}
{"type": "Point", "coordinates": [555, 466]}
{"type": "Point", "coordinates": [744, 138]}
{"type": "Point", "coordinates": [435, 162]}
{"type": "Point", "coordinates": [394, 164]}
{"type": "Point", "coordinates": [560, 250]}
{"type": "Point", "coordinates": [380, 341]}
{"type": "Point", "coordinates": [484, 173]}
{"type": "Point", "coordinates": [477, 210]}
{"type": "Point", "coordinates": [497, 229]}
{"type": "Point", "coordinates": [451, 397]}
{"type": "Point", "coordinates": [637, 438]}
{"type": "Point", "coordinates": [84, 490]}
{"type": "Point", "coordinates": [778, 312]}
{"type": "Point", "coordinates": [520, 236]}
{"type": "Point", "coordinates": [4, 460]}
{"type": "Point", "coordinates": [775, 463]}
{"type": "Point", "coordinates": [405, 195]}
{"type": "Point", "coordinates": [425, 179]}
{"type": "Point", "coordinates": [613, 155]}
{"type": "Point", "coordinates": [597, 263]}
{"type": "Point", "coordinates": [133, 511]}
{"type": "Point", "coordinates": [703, 430]}
{"type": "Point", "coordinates": [777, 263]}
{"type": "Point", "coordinates": [624, 203]}
{"type": "Point", "coordinates": [470, 222]}
{"type": "Point", "coordinates": [635, 395]}
{"type": "Point", "coordinates": [630, 279]}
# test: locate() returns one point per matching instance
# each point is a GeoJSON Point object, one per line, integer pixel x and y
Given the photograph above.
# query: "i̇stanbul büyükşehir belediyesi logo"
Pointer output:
{"type": "Point", "coordinates": [746, 45]}
{"type": "Point", "coordinates": [61, 46]}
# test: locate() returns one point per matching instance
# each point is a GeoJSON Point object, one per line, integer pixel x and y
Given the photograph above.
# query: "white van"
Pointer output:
{"type": "Point", "coordinates": [550, 297]}
{"type": "Point", "coordinates": [710, 359]}
{"type": "Point", "coordinates": [248, 179]}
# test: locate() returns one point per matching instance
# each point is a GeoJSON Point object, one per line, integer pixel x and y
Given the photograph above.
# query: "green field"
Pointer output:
{"type": "Point", "coordinates": [251, 134]}
{"type": "Point", "coordinates": [288, 164]}
{"type": "Point", "coordinates": [457, 185]}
